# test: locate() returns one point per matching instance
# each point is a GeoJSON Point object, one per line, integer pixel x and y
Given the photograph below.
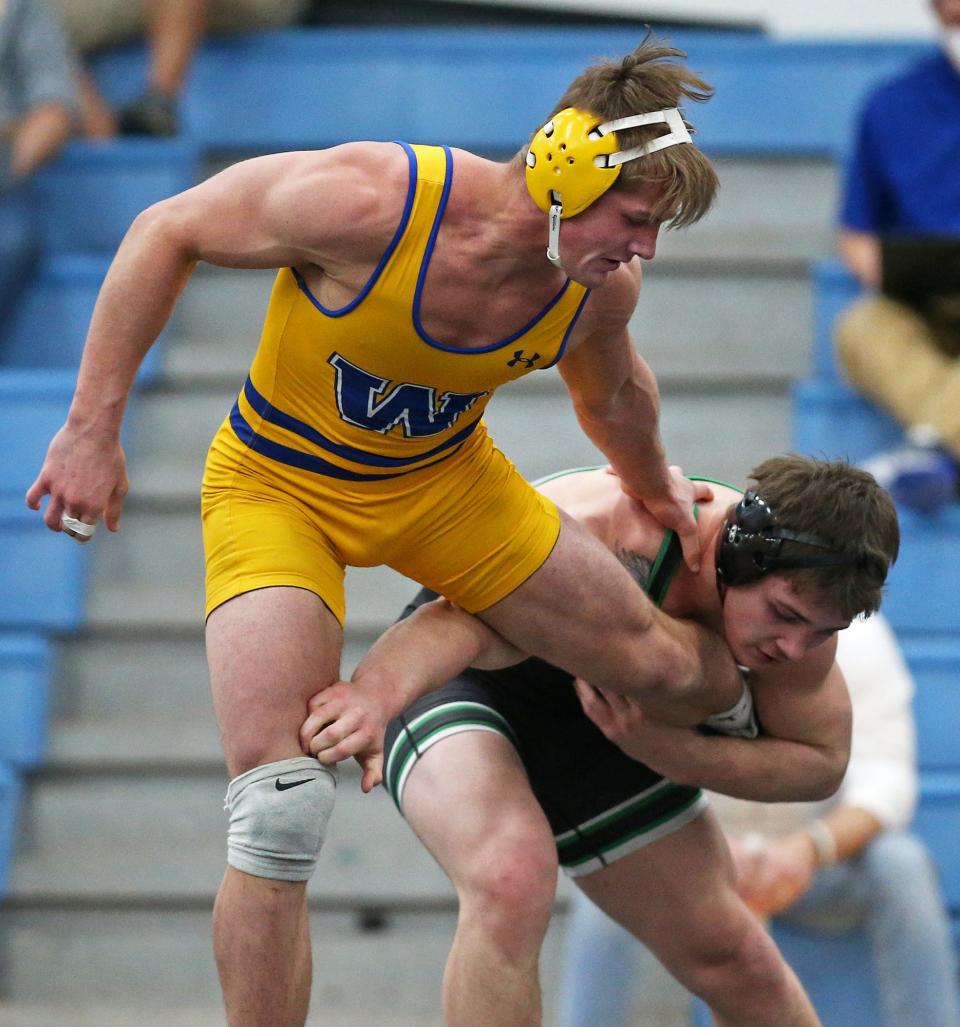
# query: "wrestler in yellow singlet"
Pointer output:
{"type": "Point", "coordinates": [358, 439]}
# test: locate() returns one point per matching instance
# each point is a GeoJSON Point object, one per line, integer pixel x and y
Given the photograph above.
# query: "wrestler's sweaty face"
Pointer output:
{"type": "Point", "coordinates": [770, 622]}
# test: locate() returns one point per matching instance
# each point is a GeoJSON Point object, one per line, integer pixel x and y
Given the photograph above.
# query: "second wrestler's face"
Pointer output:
{"type": "Point", "coordinates": [769, 622]}
{"type": "Point", "coordinates": [612, 231]}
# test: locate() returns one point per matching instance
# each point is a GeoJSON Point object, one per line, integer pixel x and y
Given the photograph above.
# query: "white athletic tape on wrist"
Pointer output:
{"type": "Point", "coordinates": [81, 528]}
{"type": "Point", "coordinates": [278, 818]}
{"type": "Point", "coordinates": [740, 720]}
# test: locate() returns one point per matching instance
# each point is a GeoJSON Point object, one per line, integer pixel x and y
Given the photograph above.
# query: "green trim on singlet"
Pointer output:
{"type": "Point", "coordinates": [563, 474]}
{"type": "Point", "coordinates": [669, 559]}
{"type": "Point", "coordinates": [715, 481]}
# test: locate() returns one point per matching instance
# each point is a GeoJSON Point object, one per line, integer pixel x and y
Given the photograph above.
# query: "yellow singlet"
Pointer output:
{"type": "Point", "coordinates": [358, 438]}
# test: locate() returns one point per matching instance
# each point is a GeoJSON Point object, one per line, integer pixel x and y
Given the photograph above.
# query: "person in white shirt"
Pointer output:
{"type": "Point", "coordinates": [844, 864]}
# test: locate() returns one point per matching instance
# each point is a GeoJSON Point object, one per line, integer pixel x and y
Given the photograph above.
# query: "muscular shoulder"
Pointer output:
{"type": "Point", "coordinates": [344, 202]}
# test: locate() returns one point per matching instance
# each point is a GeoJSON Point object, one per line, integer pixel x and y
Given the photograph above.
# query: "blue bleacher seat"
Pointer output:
{"type": "Point", "coordinates": [834, 288]}
{"type": "Point", "coordinates": [831, 420]}
{"type": "Point", "coordinates": [43, 576]}
{"type": "Point", "coordinates": [937, 822]}
{"type": "Point", "coordinates": [49, 323]}
{"type": "Point", "coordinates": [33, 405]}
{"type": "Point", "coordinates": [10, 794]}
{"type": "Point", "coordinates": [26, 667]}
{"type": "Point", "coordinates": [935, 664]}
{"type": "Point", "coordinates": [91, 194]}
{"type": "Point", "coordinates": [922, 588]}
{"type": "Point", "coordinates": [314, 87]}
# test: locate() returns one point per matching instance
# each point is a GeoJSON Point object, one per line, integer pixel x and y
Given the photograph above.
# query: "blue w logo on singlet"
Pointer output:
{"type": "Point", "coordinates": [378, 404]}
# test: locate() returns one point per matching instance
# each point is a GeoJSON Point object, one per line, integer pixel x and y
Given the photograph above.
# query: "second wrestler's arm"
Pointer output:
{"type": "Point", "coordinates": [801, 755]}
{"type": "Point", "coordinates": [415, 656]}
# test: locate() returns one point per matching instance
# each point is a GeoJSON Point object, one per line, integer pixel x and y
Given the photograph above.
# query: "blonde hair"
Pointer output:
{"type": "Point", "coordinates": [682, 179]}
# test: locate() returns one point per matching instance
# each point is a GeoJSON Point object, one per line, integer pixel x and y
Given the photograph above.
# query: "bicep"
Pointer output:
{"type": "Point", "coordinates": [600, 358]}
{"type": "Point", "coordinates": [598, 367]}
{"type": "Point", "coordinates": [812, 709]}
{"type": "Point", "coordinates": [280, 210]}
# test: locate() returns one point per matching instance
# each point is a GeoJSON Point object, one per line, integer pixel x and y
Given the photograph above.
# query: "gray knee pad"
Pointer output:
{"type": "Point", "coordinates": [278, 818]}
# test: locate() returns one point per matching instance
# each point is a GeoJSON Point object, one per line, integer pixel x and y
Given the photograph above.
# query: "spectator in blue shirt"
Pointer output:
{"type": "Point", "coordinates": [904, 179]}
{"type": "Point", "coordinates": [37, 108]}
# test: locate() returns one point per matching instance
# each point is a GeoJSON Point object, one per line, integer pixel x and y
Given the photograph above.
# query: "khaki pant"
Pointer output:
{"type": "Point", "coordinates": [92, 24]}
{"type": "Point", "coordinates": [904, 363]}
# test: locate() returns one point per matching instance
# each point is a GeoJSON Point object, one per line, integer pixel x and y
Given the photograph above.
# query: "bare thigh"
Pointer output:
{"type": "Point", "coordinates": [676, 895]}
{"type": "Point", "coordinates": [581, 611]}
{"type": "Point", "coordinates": [468, 799]}
{"type": "Point", "coordinates": [268, 651]}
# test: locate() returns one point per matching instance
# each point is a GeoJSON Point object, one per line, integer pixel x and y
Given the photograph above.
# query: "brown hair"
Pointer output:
{"type": "Point", "coordinates": [650, 79]}
{"type": "Point", "coordinates": [845, 507]}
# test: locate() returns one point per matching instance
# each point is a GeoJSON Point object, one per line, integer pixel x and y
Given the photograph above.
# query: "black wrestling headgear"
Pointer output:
{"type": "Point", "coordinates": [751, 540]}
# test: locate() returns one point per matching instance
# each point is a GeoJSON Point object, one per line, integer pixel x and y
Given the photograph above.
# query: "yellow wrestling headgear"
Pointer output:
{"type": "Point", "coordinates": [574, 159]}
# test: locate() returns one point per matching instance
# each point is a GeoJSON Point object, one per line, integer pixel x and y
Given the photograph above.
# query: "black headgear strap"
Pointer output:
{"type": "Point", "coordinates": [751, 541]}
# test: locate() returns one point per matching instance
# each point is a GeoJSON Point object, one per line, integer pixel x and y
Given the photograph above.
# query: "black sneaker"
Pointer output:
{"type": "Point", "coordinates": [154, 114]}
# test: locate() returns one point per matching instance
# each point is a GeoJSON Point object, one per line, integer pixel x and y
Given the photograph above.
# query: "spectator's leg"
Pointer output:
{"type": "Point", "coordinates": [944, 408]}
{"type": "Point", "coordinates": [97, 120]}
{"type": "Point", "coordinates": [226, 16]}
{"type": "Point", "coordinates": [599, 965]}
{"type": "Point", "coordinates": [94, 24]}
{"type": "Point", "coordinates": [889, 353]}
{"type": "Point", "coordinates": [175, 30]}
{"type": "Point", "coordinates": [909, 934]}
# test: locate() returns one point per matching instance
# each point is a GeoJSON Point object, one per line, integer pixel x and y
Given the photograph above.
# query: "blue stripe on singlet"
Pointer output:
{"type": "Point", "coordinates": [307, 461]}
{"type": "Point", "coordinates": [421, 279]}
{"type": "Point", "coordinates": [271, 414]}
{"type": "Point", "coordinates": [388, 253]}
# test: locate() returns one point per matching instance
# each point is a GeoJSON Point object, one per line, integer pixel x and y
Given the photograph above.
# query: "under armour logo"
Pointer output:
{"type": "Point", "coordinates": [519, 358]}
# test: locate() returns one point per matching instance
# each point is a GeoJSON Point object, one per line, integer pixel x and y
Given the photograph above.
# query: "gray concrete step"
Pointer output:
{"type": "Point", "coordinates": [771, 209]}
{"type": "Point", "coordinates": [756, 213]}
{"type": "Point", "coordinates": [113, 836]}
{"type": "Point", "coordinates": [716, 322]}
{"type": "Point", "coordinates": [703, 427]}
{"type": "Point", "coordinates": [536, 428]}
{"type": "Point", "coordinates": [134, 588]}
{"type": "Point", "coordinates": [112, 675]}
{"type": "Point", "coordinates": [151, 572]}
{"type": "Point", "coordinates": [703, 318]}
{"type": "Point", "coordinates": [745, 264]}
{"type": "Point", "coordinates": [149, 968]}
{"type": "Point", "coordinates": [162, 960]}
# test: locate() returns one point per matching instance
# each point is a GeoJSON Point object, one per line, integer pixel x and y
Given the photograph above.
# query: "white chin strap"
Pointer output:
{"type": "Point", "coordinates": [678, 134]}
{"type": "Point", "coordinates": [553, 240]}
